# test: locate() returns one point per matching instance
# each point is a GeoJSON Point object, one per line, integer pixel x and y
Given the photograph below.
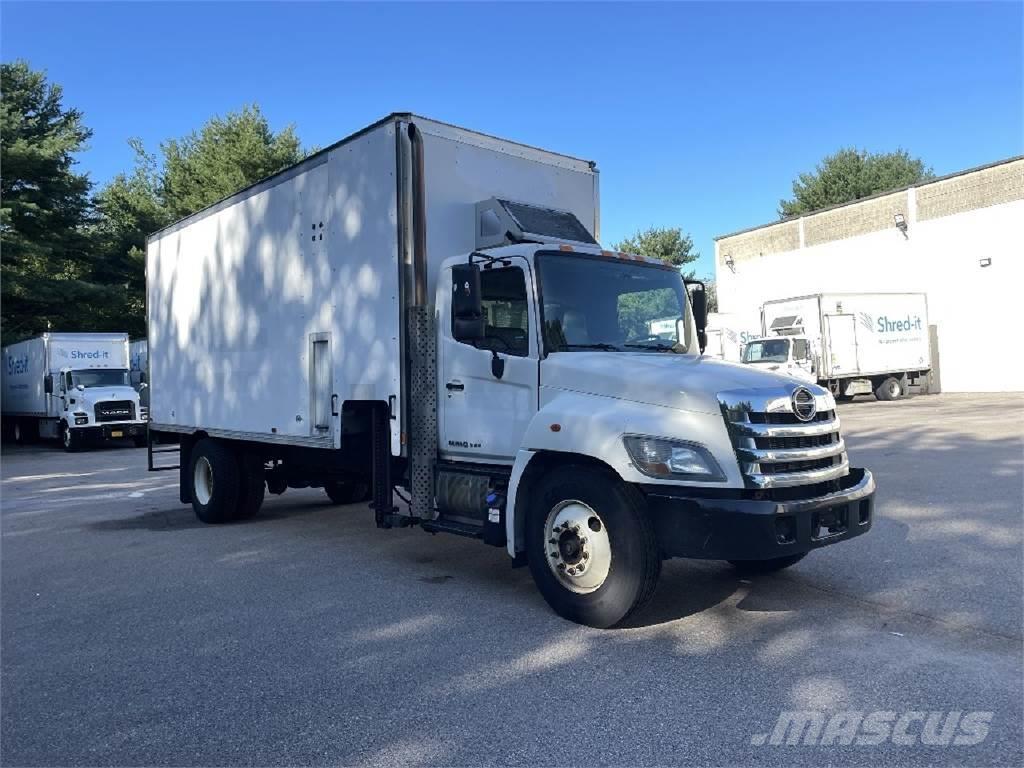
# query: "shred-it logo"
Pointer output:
{"type": "Point", "coordinates": [849, 728]}
{"type": "Point", "coordinates": [462, 444]}
{"type": "Point", "coordinates": [17, 365]}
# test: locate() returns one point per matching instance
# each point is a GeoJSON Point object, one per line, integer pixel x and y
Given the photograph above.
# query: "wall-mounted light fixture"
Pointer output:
{"type": "Point", "coordinates": [901, 223]}
{"type": "Point", "coordinates": [985, 262]}
{"type": "Point", "coordinates": [730, 263]}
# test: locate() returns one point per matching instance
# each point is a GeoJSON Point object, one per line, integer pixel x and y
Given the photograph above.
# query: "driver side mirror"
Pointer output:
{"type": "Point", "coordinates": [699, 304]}
{"type": "Point", "coordinates": [48, 384]}
{"type": "Point", "coordinates": [467, 306]}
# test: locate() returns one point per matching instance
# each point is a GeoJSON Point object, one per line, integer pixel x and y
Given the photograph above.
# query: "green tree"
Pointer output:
{"type": "Point", "coordinates": [225, 155]}
{"type": "Point", "coordinates": [44, 207]}
{"type": "Point", "coordinates": [667, 244]}
{"type": "Point", "coordinates": [851, 174]}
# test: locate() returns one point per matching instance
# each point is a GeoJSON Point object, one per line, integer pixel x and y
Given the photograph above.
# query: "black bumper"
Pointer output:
{"type": "Point", "coordinates": [110, 431]}
{"type": "Point", "coordinates": [746, 529]}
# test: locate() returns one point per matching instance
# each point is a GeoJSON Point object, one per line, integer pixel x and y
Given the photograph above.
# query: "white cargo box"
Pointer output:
{"type": "Point", "coordinates": [268, 310]}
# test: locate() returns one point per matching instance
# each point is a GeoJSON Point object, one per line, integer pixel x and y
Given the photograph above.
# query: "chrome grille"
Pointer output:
{"type": "Point", "coordinates": [115, 410]}
{"type": "Point", "coordinates": [775, 447]}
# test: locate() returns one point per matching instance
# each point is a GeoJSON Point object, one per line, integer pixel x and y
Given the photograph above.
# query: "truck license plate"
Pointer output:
{"type": "Point", "coordinates": [116, 433]}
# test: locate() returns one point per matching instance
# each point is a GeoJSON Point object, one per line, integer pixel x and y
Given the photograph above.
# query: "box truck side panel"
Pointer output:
{"type": "Point", "coordinates": [891, 330]}
{"type": "Point", "coordinates": [299, 275]}
{"type": "Point", "coordinates": [81, 351]}
{"type": "Point", "coordinates": [784, 313]}
{"type": "Point", "coordinates": [23, 372]}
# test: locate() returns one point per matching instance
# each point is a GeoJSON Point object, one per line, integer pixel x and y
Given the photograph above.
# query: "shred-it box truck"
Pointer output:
{"type": "Point", "coordinates": [71, 386]}
{"type": "Point", "coordinates": [425, 311]}
{"type": "Point", "coordinates": [851, 343]}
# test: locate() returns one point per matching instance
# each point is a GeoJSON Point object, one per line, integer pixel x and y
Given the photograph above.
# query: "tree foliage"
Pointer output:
{"type": "Point", "coordinates": [227, 154]}
{"type": "Point", "coordinates": [45, 212]}
{"type": "Point", "coordinates": [75, 263]}
{"type": "Point", "coordinates": [851, 174]}
{"type": "Point", "coordinates": [667, 244]}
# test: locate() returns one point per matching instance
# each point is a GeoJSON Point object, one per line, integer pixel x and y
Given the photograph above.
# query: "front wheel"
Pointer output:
{"type": "Point", "coordinates": [591, 548]}
{"type": "Point", "coordinates": [70, 438]}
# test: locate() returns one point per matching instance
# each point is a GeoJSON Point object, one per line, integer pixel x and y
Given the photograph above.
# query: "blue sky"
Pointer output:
{"type": "Point", "coordinates": [699, 116]}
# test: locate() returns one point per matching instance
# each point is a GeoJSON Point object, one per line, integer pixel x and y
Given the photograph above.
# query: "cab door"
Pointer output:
{"type": "Point", "coordinates": [487, 391]}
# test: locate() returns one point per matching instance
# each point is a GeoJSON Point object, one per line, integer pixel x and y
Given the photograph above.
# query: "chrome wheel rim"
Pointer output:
{"type": "Point", "coordinates": [202, 480]}
{"type": "Point", "coordinates": [17, 433]}
{"type": "Point", "coordinates": [578, 550]}
{"type": "Point", "coordinates": [67, 437]}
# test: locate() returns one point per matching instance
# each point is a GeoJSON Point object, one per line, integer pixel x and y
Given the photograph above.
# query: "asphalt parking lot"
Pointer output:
{"type": "Point", "coordinates": [134, 635]}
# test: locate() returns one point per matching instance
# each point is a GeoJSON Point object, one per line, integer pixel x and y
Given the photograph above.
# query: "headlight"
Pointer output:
{"type": "Point", "coordinates": [81, 418]}
{"type": "Point", "coordinates": [660, 457]}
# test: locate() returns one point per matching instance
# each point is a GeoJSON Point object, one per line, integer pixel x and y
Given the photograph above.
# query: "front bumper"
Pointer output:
{"type": "Point", "coordinates": [110, 431]}
{"type": "Point", "coordinates": [688, 525]}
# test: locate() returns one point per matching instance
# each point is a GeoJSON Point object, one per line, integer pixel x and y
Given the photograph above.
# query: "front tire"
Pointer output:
{"type": "Point", "coordinates": [215, 480]}
{"type": "Point", "coordinates": [70, 438]}
{"type": "Point", "coordinates": [591, 548]}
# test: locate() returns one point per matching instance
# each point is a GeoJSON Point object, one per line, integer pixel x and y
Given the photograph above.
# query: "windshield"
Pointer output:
{"type": "Point", "coordinates": [767, 351]}
{"type": "Point", "coordinates": [590, 302]}
{"type": "Point", "coordinates": [100, 377]}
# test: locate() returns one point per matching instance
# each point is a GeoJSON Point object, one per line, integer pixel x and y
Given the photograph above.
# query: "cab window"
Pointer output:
{"type": "Point", "coordinates": [506, 317]}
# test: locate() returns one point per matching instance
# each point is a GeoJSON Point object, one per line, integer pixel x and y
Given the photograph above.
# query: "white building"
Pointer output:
{"type": "Point", "coordinates": [959, 239]}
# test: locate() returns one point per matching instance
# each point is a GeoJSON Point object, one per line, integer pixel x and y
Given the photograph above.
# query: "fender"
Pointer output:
{"type": "Point", "coordinates": [592, 426]}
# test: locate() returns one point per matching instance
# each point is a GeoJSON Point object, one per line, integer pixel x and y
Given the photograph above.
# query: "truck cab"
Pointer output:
{"type": "Point", "coordinates": [97, 404]}
{"type": "Point", "coordinates": [786, 355]}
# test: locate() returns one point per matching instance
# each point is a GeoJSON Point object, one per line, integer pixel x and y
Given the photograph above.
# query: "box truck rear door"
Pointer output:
{"type": "Point", "coordinates": [842, 345]}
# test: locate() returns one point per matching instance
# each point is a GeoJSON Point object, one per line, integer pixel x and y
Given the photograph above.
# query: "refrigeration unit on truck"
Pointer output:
{"type": "Point", "coordinates": [74, 387]}
{"type": "Point", "coordinates": [850, 343]}
{"type": "Point", "coordinates": [425, 311]}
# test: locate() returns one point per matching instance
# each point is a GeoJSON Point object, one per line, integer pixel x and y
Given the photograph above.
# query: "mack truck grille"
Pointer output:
{"type": "Point", "coordinates": [115, 410]}
{"type": "Point", "coordinates": [785, 440]}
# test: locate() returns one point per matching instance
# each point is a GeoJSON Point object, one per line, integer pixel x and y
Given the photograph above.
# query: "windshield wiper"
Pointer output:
{"type": "Point", "coordinates": [596, 345]}
{"type": "Point", "coordinates": [658, 347]}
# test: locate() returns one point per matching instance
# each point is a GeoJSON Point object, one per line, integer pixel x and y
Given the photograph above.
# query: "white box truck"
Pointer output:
{"type": "Point", "coordinates": [728, 332]}
{"type": "Point", "coordinates": [850, 343]}
{"type": "Point", "coordinates": [74, 387]}
{"type": "Point", "coordinates": [423, 311]}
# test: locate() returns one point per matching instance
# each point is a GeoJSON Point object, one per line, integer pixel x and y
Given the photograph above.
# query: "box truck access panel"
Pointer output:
{"type": "Point", "coordinates": [307, 270]}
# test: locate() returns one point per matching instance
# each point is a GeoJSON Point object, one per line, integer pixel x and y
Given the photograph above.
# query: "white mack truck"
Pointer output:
{"type": "Point", "coordinates": [72, 387]}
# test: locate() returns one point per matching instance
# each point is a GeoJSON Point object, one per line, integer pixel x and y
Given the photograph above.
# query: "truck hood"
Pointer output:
{"type": "Point", "coordinates": [93, 395]}
{"type": "Point", "coordinates": [683, 382]}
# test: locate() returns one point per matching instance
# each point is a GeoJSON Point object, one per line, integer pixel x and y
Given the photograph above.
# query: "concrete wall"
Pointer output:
{"type": "Point", "coordinates": [953, 223]}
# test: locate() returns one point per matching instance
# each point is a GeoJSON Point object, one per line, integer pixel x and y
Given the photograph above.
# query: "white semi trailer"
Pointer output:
{"type": "Point", "coordinates": [424, 310]}
{"type": "Point", "coordinates": [71, 386]}
{"type": "Point", "coordinates": [851, 343]}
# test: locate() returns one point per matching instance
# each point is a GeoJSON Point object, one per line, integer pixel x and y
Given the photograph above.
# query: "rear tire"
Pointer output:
{"type": "Point", "coordinates": [216, 482]}
{"type": "Point", "coordinates": [253, 487]}
{"type": "Point", "coordinates": [889, 390]}
{"type": "Point", "coordinates": [581, 516]}
{"type": "Point", "coordinates": [347, 491]}
{"type": "Point", "coordinates": [753, 567]}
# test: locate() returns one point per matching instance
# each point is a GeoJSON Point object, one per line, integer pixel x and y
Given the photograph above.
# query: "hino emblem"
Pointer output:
{"type": "Point", "coordinates": [803, 404]}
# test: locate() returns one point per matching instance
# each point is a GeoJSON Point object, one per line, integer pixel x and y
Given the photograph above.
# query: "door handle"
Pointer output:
{"type": "Point", "coordinates": [455, 386]}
